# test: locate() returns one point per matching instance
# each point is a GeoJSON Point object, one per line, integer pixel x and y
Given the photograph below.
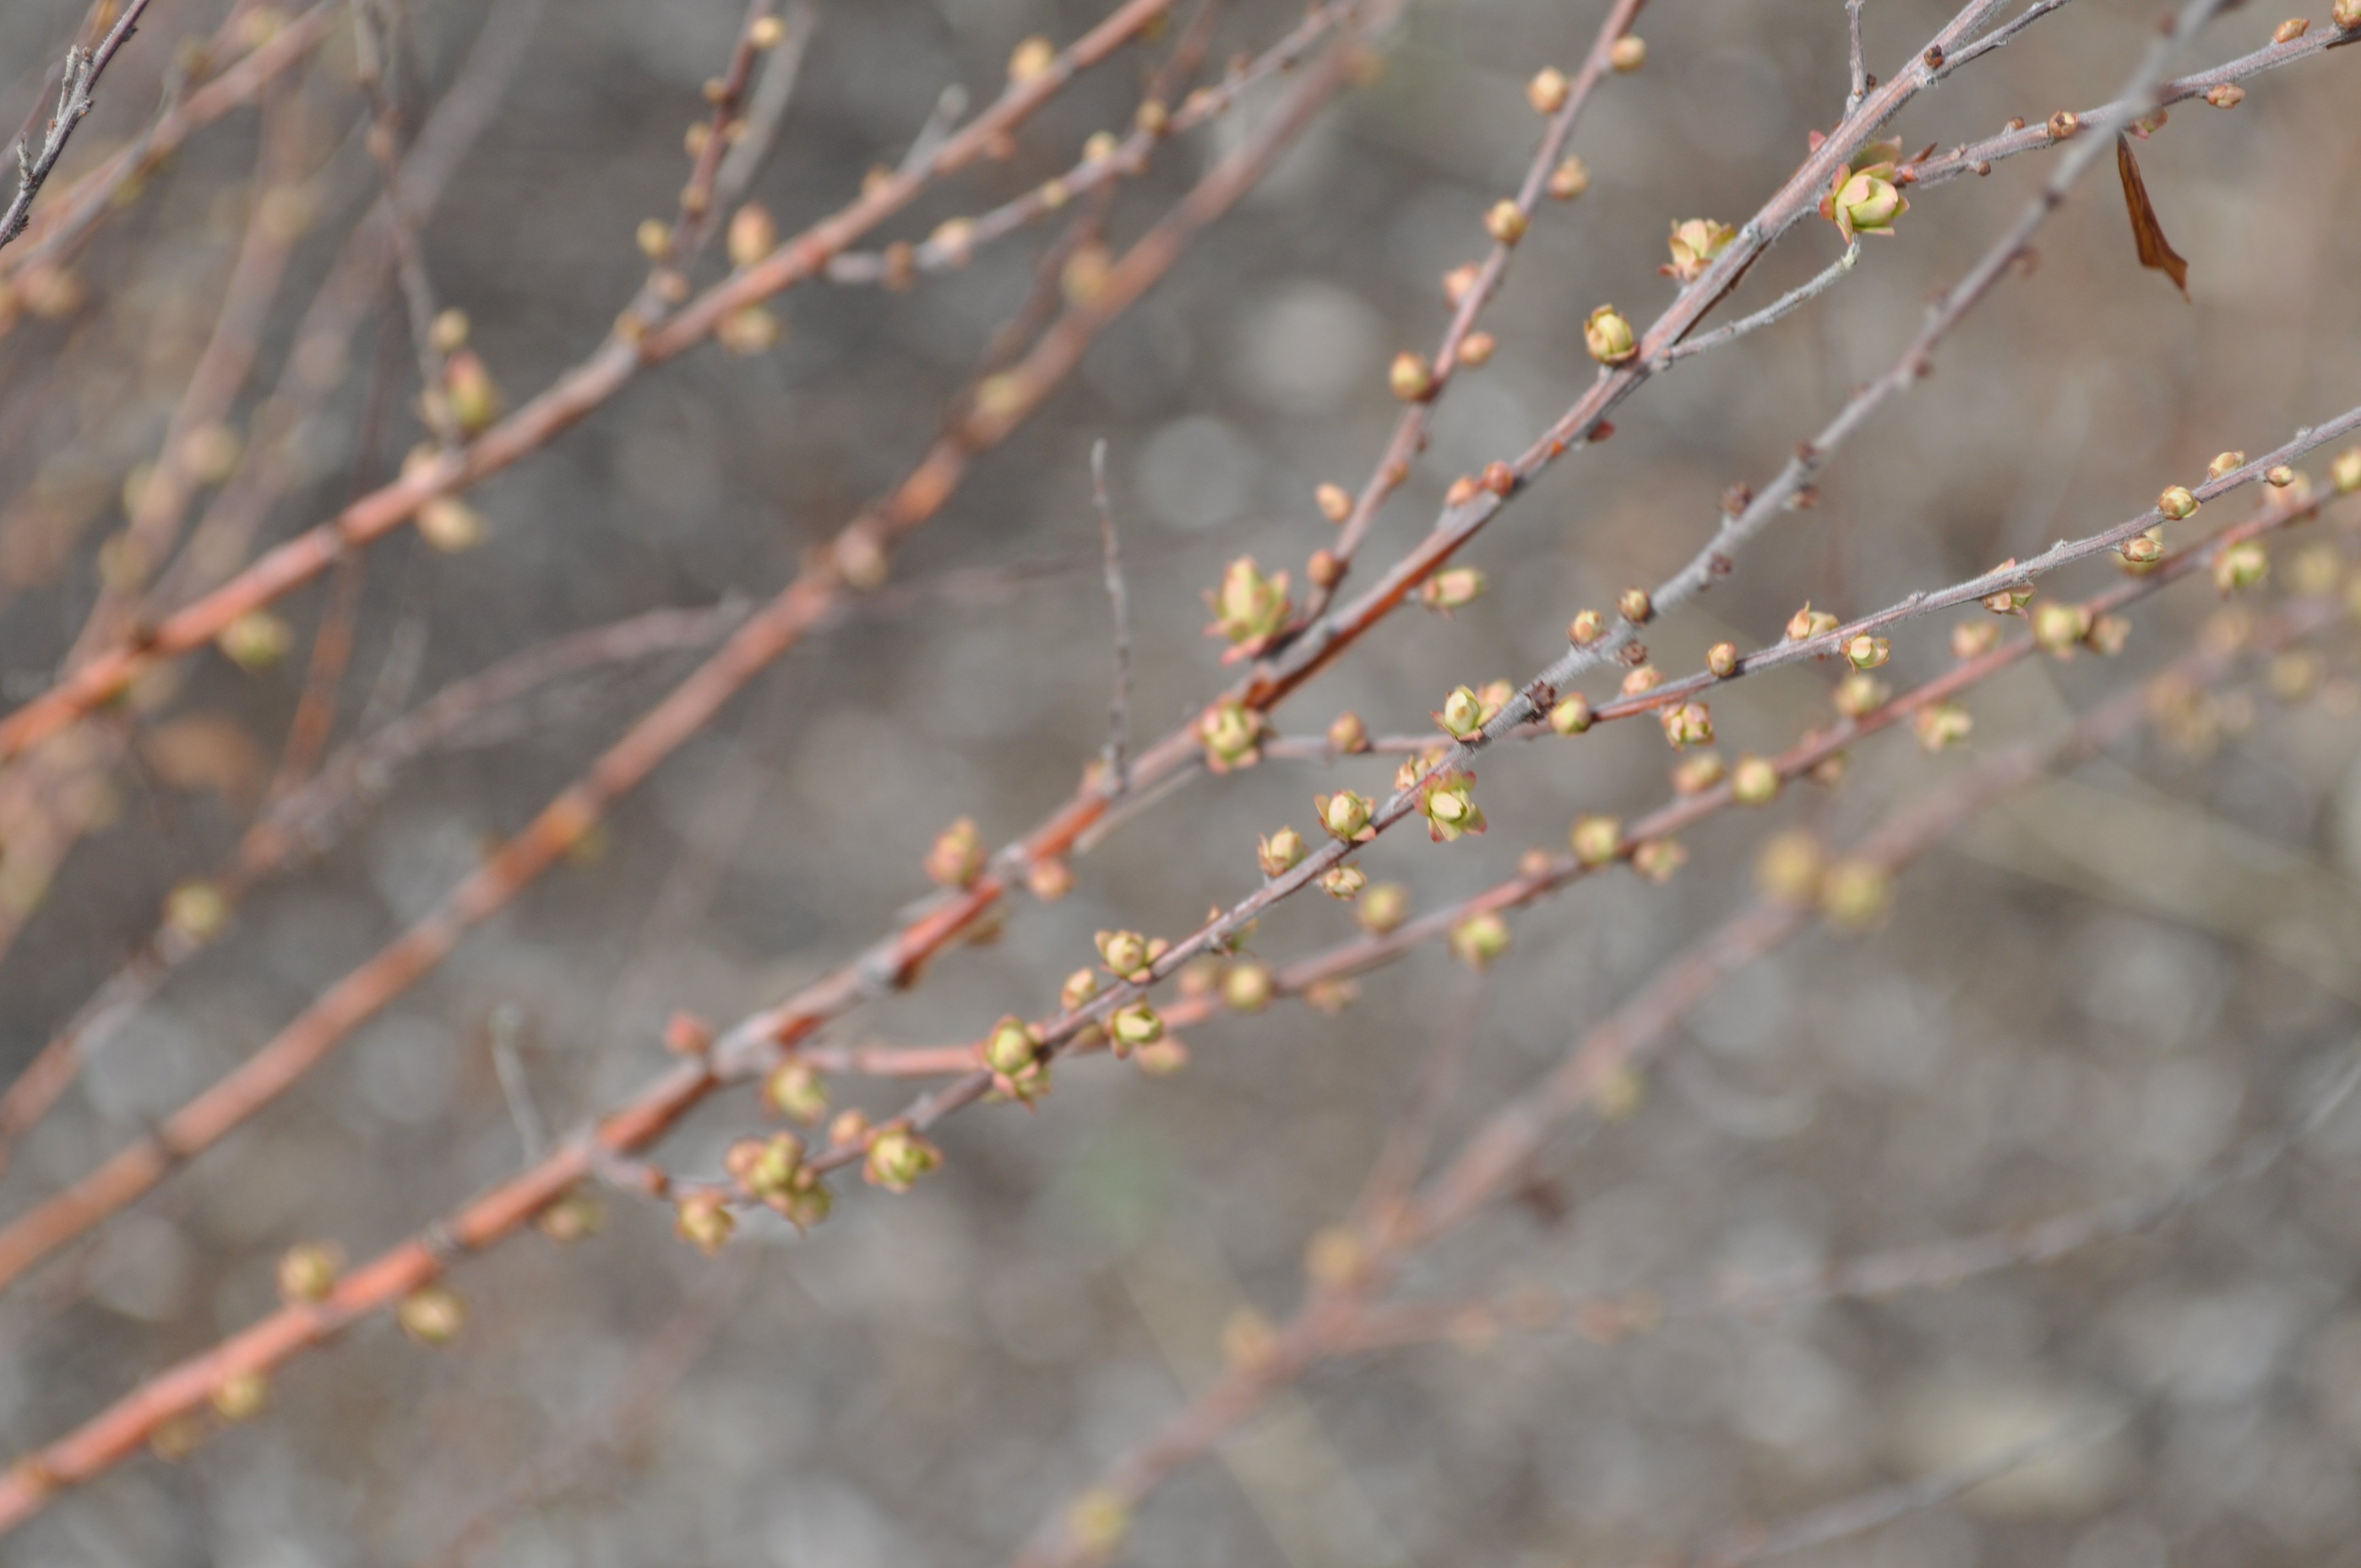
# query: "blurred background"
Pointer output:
{"type": "Point", "coordinates": [2099, 989]}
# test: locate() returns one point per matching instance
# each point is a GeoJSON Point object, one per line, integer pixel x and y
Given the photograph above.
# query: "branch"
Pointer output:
{"type": "Point", "coordinates": [83, 68]}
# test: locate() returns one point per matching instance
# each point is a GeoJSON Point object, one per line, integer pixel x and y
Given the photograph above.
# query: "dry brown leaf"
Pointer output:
{"type": "Point", "coordinates": [2155, 251]}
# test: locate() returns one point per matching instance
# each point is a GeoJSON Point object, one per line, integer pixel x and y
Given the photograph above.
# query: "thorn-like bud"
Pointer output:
{"type": "Point", "coordinates": [1345, 815]}
{"type": "Point", "coordinates": [1382, 907]}
{"type": "Point", "coordinates": [1635, 606]}
{"type": "Point", "coordinates": [255, 640]}
{"type": "Point", "coordinates": [1808, 623]}
{"type": "Point", "coordinates": [307, 1271]}
{"type": "Point", "coordinates": [1479, 939]}
{"type": "Point", "coordinates": [1454, 587]}
{"type": "Point", "coordinates": [1249, 608]}
{"type": "Point", "coordinates": [1282, 852]}
{"type": "Point", "coordinates": [1628, 53]}
{"type": "Point", "coordinates": [796, 1091]}
{"type": "Point", "coordinates": [241, 1396]}
{"type": "Point", "coordinates": [1685, 723]}
{"type": "Point", "coordinates": [1347, 734]}
{"type": "Point", "coordinates": [753, 235]}
{"type": "Point", "coordinates": [1857, 894]}
{"type": "Point", "coordinates": [1505, 222]}
{"type": "Point", "coordinates": [2344, 469]}
{"type": "Point", "coordinates": [1570, 716]}
{"type": "Point", "coordinates": [897, 1158]}
{"type": "Point", "coordinates": [1335, 504]}
{"type": "Point", "coordinates": [2225, 94]}
{"type": "Point", "coordinates": [1694, 244]}
{"type": "Point", "coordinates": [1754, 782]}
{"type": "Point", "coordinates": [1586, 628]}
{"type": "Point", "coordinates": [1659, 860]}
{"type": "Point", "coordinates": [2177, 503]}
{"type": "Point", "coordinates": [1697, 774]}
{"type": "Point", "coordinates": [1231, 733]}
{"type": "Point", "coordinates": [1608, 336]}
{"type": "Point", "coordinates": [1570, 179]}
{"type": "Point", "coordinates": [1476, 347]}
{"type": "Point", "coordinates": [1860, 693]}
{"type": "Point", "coordinates": [1134, 1025]}
{"type": "Point", "coordinates": [2063, 124]}
{"type": "Point", "coordinates": [1031, 59]}
{"type": "Point", "coordinates": [1973, 638]}
{"type": "Point", "coordinates": [1409, 378]}
{"type": "Point", "coordinates": [704, 1221]}
{"type": "Point", "coordinates": [432, 1315]}
{"type": "Point", "coordinates": [1447, 802]}
{"type": "Point", "coordinates": [958, 855]}
{"type": "Point", "coordinates": [1942, 725]}
{"type": "Point", "coordinates": [1127, 955]}
{"type": "Point", "coordinates": [1462, 713]}
{"type": "Point", "coordinates": [2242, 566]}
{"type": "Point", "coordinates": [1867, 652]}
{"type": "Point", "coordinates": [1548, 91]}
{"type": "Point", "coordinates": [1788, 868]}
{"type": "Point", "coordinates": [1722, 659]}
{"type": "Point", "coordinates": [1595, 839]}
{"type": "Point", "coordinates": [1344, 882]}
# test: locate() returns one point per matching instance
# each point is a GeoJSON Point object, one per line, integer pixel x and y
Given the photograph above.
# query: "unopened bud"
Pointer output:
{"type": "Point", "coordinates": [2223, 463]}
{"type": "Point", "coordinates": [1722, 659]}
{"type": "Point", "coordinates": [1011, 1048]}
{"type": "Point", "coordinates": [1335, 503]}
{"type": "Point", "coordinates": [1857, 894]}
{"type": "Point", "coordinates": [1647, 677]}
{"type": "Point", "coordinates": [1808, 623]}
{"type": "Point", "coordinates": [704, 1221]}
{"type": "Point", "coordinates": [1247, 987]}
{"type": "Point", "coordinates": [1860, 694]}
{"type": "Point", "coordinates": [449, 331]}
{"type": "Point", "coordinates": [753, 235]}
{"type": "Point", "coordinates": [797, 1091]}
{"type": "Point", "coordinates": [1476, 347]}
{"type": "Point", "coordinates": [432, 1315]}
{"type": "Point", "coordinates": [1788, 868]}
{"type": "Point", "coordinates": [2225, 94]}
{"type": "Point", "coordinates": [957, 857]}
{"type": "Point", "coordinates": [1231, 733]}
{"type": "Point", "coordinates": [450, 525]}
{"type": "Point", "coordinates": [196, 910]}
{"type": "Point", "coordinates": [1346, 814]}
{"type": "Point", "coordinates": [1282, 852]}
{"type": "Point", "coordinates": [2177, 503]}
{"type": "Point", "coordinates": [1480, 939]}
{"type": "Point", "coordinates": [1050, 879]}
{"type": "Point", "coordinates": [1608, 336]}
{"type": "Point", "coordinates": [241, 1396]}
{"type": "Point", "coordinates": [1382, 907]}
{"type": "Point", "coordinates": [1754, 782]}
{"type": "Point", "coordinates": [654, 237]}
{"type": "Point", "coordinates": [1943, 724]}
{"type": "Point", "coordinates": [1635, 606]}
{"type": "Point", "coordinates": [1462, 714]}
{"type": "Point", "coordinates": [1694, 775]}
{"type": "Point", "coordinates": [1127, 955]}
{"type": "Point", "coordinates": [1031, 59]}
{"type": "Point", "coordinates": [1586, 628]}
{"type": "Point", "coordinates": [1080, 987]}
{"type": "Point", "coordinates": [2344, 469]}
{"type": "Point", "coordinates": [1595, 839]}
{"type": "Point", "coordinates": [307, 1271]}
{"type": "Point", "coordinates": [1629, 53]}
{"type": "Point", "coordinates": [1454, 587]}
{"type": "Point", "coordinates": [255, 640]}
{"type": "Point", "coordinates": [2242, 566]}
{"type": "Point", "coordinates": [2143, 549]}
{"type": "Point", "coordinates": [475, 401]}
{"type": "Point", "coordinates": [767, 32]}
{"type": "Point", "coordinates": [2063, 124]}
{"type": "Point", "coordinates": [2107, 635]}
{"type": "Point", "coordinates": [1548, 91]}
{"type": "Point", "coordinates": [1973, 638]}
{"type": "Point", "coordinates": [1344, 882]}
{"type": "Point", "coordinates": [571, 1218]}
{"type": "Point", "coordinates": [1133, 1027]}
{"type": "Point", "coordinates": [1686, 723]}
{"type": "Point", "coordinates": [1867, 652]}
{"type": "Point", "coordinates": [1410, 379]}
{"type": "Point", "coordinates": [1569, 179]}
{"type": "Point", "coordinates": [898, 1157]}
{"type": "Point", "coordinates": [1505, 222]}
{"type": "Point", "coordinates": [1570, 716]}
{"type": "Point", "coordinates": [1347, 734]}
{"type": "Point", "coordinates": [1659, 858]}
{"type": "Point", "coordinates": [1097, 1522]}
{"type": "Point", "coordinates": [2286, 32]}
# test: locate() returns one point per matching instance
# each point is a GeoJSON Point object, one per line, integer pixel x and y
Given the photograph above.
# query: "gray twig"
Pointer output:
{"type": "Point", "coordinates": [1119, 705]}
{"type": "Point", "coordinates": [1859, 63]}
{"type": "Point", "coordinates": [950, 108]}
{"type": "Point", "coordinates": [82, 72]}
{"type": "Point", "coordinates": [507, 1025]}
{"type": "Point", "coordinates": [771, 93]}
{"type": "Point", "coordinates": [1771, 312]}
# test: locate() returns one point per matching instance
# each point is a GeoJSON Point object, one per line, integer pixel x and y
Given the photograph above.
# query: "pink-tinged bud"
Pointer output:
{"type": "Point", "coordinates": [1943, 725]}
{"type": "Point", "coordinates": [1478, 347]}
{"type": "Point", "coordinates": [1659, 860]}
{"type": "Point", "coordinates": [1628, 53]}
{"type": "Point", "coordinates": [1247, 987]}
{"type": "Point", "coordinates": [2107, 635]}
{"type": "Point", "coordinates": [686, 1034]}
{"type": "Point", "coordinates": [307, 1271]}
{"type": "Point", "coordinates": [1694, 244]}
{"type": "Point", "coordinates": [2063, 124]}
{"type": "Point", "coordinates": [1635, 606]}
{"type": "Point", "coordinates": [2286, 32]}
{"type": "Point", "coordinates": [796, 1092]}
{"type": "Point", "coordinates": [255, 640]}
{"type": "Point", "coordinates": [1722, 659]}
{"type": "Point", "coordinates": [1449, 807]}
{"type": "Point", "coordinates": [1411, 380]}
{"type": "Point", "coordinates": [1568, 179]}
{"type": "Point", "coordinates": [1335, 503]}
{"type": "Point", "coordinates": [1128, 955]}
{"type": "Point", "coordinates": [1480, 940]}
{"type": "Point", "coordinates": [957, 857]}
{"type": "Point", "coordinates": [1973, 638]}
{"type": "Point", "coordinates": [1454, 587]}
{"type": "Point", "coordinates": [1754, 782]}
{"type": "Point", "coordinates": [1685, 723]}
{"type": "Point", "coordinates": [1608, 336]}
{"type": "Point", "coordinates": [1572, 715]}
{"type": "Point", "coordinates": [1646, 678]}
{"type": "Point", "coordinates": [1867, 203]}
{"type": "Point", "coordinates": [1697, 774]}
{"type": "Point", "coordinates": [898, 1157]}
{"type": "Point", "coordinates": [1808, 623]}
{"type": "Point", "coordinates": [1859, 694]}
{"type": "Point", "coordinates": [849, 1129]}
{"type": "Point", "coordinates": [704, 1221]}
{"type": "Point", "coordinates": [1347, 734]}
{"type": "Point", "coordinates": [1505, 222]}
{"type": "Point", "coordinates": [1867, 652]}
{"type": "Point", "coordinates": [1345, 815]}
{"type": "Point", "coordinates": [432, 1315]}
{"type": "Point", "coordinates": [1383, 907]}
{"type": "Point", "coordinates": [1231, 733]}
{"type": "Point", "coordinates": [2242, 566]}
{"type": "Point", "coordinates": [1595, 839]}
{"type": "Point", "coordinates": [2010, 600]}
{"type": "Point", "coordinates": [1011, 1048]}
{"type": "Point", "coordinates": [753, 235]}
{"type": "Point", "coordinates": [1788, 868]}
{"type": "Point", "coordinates": [474, 400]}
{"type": "Point", "coordinates": [1282, 852]}
{"type": "Point", "coordinates": [1050, 879]}
{"type": "Point", "coordinates": [2280, 476]}
{"type": "Point", "coordinates": [1458, 282]}
{"type": "Point", "coordinates": [2141, 552]}
{"type": "Point", "coordinates": [2225, 94]}
{"type": "Point", "coordinates": [1133, 1027]}
{"type": "Point", "coordinates": [1343, 882]}
{"type": "Point", "coordinates": [1548, 91]}
{"type": "Point", "coordinates": [1586, 628]}
{"type": "Point", "coordinates": [767, 32]}
{"type": "Point", "coordinates": [2177, 503]}
{"type": "Point", "coordinates": [1080, 987]}
{"type": "Point", "coordinates": [1857, 895]}
{"type": "Point", "coordinates": [765, 1168]}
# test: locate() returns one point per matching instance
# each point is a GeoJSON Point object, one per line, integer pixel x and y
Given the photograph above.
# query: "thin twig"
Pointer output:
{"type": "Point", "coordinates": [1859, 61]}
{"type": "Point", "coordinates": [83, 68]}
{"type": "Point", "coordinates": [503, 1030]}
{"type": "Point", "coordinates": [1119, 704]}
{"type": "Point", "coordinates": [1777, 309]}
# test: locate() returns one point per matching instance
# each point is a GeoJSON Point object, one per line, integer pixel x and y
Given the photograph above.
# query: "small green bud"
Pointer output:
{"type": "Point", "coordinates": [1608, 336]}
{"type": "Point", "coordinates": [2177, 503]}
{"type": "Point", "coordinates": [1754, 782]}
{"type": "Point", "coordinates": [1345, 815]}
{"type": "Point", "coordinates": [1282, 852]}
{"type": "Point", "coordinates": [1462, 713]}
{"type": "Point", "coordinates": [432, 1315]}
{"type": "Point", "coordinates": [704, 1221]}
{"type": "Point", "coordinates": [897, 1158]}
{"type": "Point", "coordinates": [1859, 693]}
{"type": "Point", "coordinates": [1867, 652]}
{"type": "Point", "coordinates": [1479, 939]}
{"type": "Point", "coordinates": [1449, 807]}
{"type": "Point", "coordinates": [2242, 566]}
{"type": "Point", "coordinates": [796, 1091]}
{"type": "Point", "coordinates": [1456, 587]}
{"type": "Point", "coordinates": [1247, 987]}
{"type": "Point", "coordinates": [1857, 894]}
{"type": "Point", "coordinates": [1595, 839]}
{"type": "Point", "coordinates": [1570, 716]}
{"type": "Point", "coordinates": [1250, 608]}
{"type": "Point", "coordinates": [1344, 882]}
{"type": "Point", "coordinates": [1134, 1025]}
{"type": "Point", "coordinates": [1685, 723]}
{"type": "Point", "coordinates": [1943, 724]}
{"type": "Point", "coordinates": [957, 857]}
{"type": "Point", "coordinates": [1231, 733]}
{"type": "Point", "coordinates": [1383, 907]}
{"type": "Point", "coordinates": [1126, 954]}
